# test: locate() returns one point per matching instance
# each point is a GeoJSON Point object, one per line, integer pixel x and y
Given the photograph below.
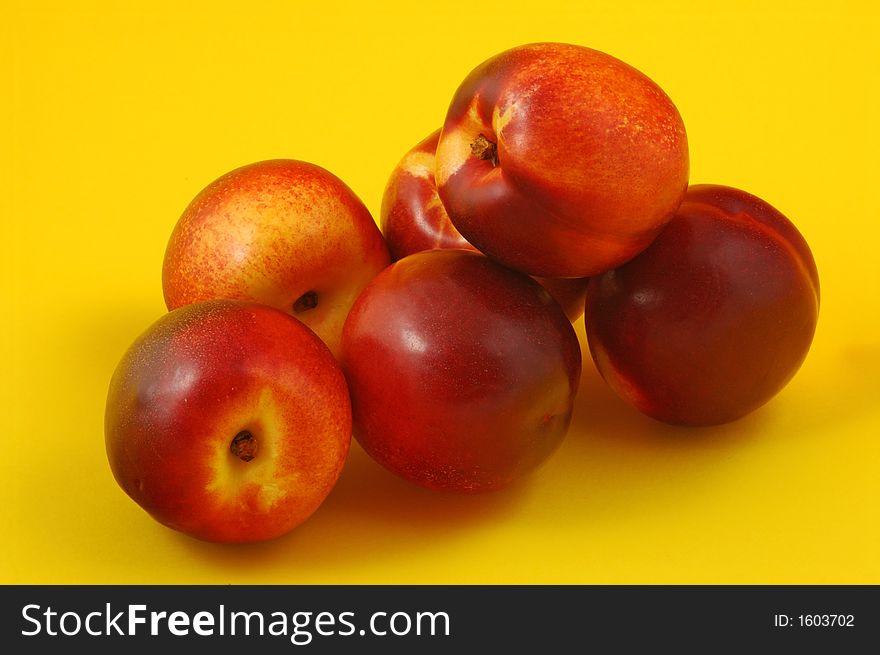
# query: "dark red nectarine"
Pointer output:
{"type": "Point", "coordinates": [462, 372]}
{"type": "Point", "coordinates": [714, 318]}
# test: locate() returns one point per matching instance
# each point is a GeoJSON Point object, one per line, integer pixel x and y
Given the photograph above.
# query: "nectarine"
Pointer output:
{"type": "Point", "coordinates": [462, 372]}
{"type": "Point", "coordinates": [283, 233]}
{"type": "Point", "coordinates": [227, 420]}
{"type": "Point", "coordinates": [714, 318]}
{"type": "Point", "coordinates": [561, 161]}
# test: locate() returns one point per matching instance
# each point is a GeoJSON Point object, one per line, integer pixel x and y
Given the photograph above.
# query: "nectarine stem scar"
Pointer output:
{"type": "Point", "coordinates": [307, 301]}
{"type": "Point", "coordinates": [244, 446]}
{"type": "Point", "coordinates": [484, 149]}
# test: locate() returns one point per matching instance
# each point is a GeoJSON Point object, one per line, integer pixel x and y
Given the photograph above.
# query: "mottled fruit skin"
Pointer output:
{"type": "Point", "coordinates": [198, 378]}
{"type": "Point", "coordinates": [281, 232]}
{"type": "Point", "coordinates": [413, 219]}
{"type": "Point", "coordinates": [560, 160]}
{"type": "Point", "coordinates": [462, 373]}
{"type": "Point", "coordinates": [714, 318]}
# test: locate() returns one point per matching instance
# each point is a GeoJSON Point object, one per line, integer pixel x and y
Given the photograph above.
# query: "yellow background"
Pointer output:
{"type": "Point", "coordinates": [115, 114]}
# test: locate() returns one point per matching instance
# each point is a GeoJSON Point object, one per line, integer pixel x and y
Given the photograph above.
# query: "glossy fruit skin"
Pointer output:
{"type": "Point", "coordinates": [274, 232]}
{"type": "Point", "coordinates": [462, 373]}
{"type": "Point", "coordinates": [413, 219]}
{"type": "Point", "coordinates": [714, 318]}
{"type": "Point", "coordinates": [590, 160]}
{"type": "Point", "coordinates": [196, 379]}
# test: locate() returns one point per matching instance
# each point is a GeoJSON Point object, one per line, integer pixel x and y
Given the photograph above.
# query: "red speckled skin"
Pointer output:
{"type": "Point", "coordinates": [592, 160]}
{"type": "Point", "coordinates": [714, 318]}
{"type": "Point", "coordinates": [413, 219]}
{"type": "Point", "coordinates": [462, 372]}
{"type": "Point", "coordinates": [270, 232]}
{"type": "Point", "coordinates": [190, 384]}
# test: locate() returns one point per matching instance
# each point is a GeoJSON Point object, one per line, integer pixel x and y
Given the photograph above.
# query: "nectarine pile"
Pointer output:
{"type": "Point", "coordinates": [442, 338]}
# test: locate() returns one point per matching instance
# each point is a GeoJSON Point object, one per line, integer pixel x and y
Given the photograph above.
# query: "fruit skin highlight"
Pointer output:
{"type": "Point", "coordinates": [281, 232]}
{"type": "Point", "coordinates": [462, 373]}
{"type": "Point", "coordinates": [714, 318]}
{"type": "Point", "coordinates": [229, 421]}
{"type": "Point", "coordinates": [560, 161]}
{"type": "Point", "coordinates": [413, 219]}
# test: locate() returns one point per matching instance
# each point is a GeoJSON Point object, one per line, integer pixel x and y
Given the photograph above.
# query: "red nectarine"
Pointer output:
{"type": "Point", "coordinates": [560, 160]}
{"type": "Point", "coordinates": [462, 372]}
{"type": "Point", "coordinates": [413, 219]}
{"type": "Point", "coordinates": [229, 421]}
{"type": "Point", "coordinates": [714, 318]}
{"type": "Point", "coordinates": [283, 233]}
